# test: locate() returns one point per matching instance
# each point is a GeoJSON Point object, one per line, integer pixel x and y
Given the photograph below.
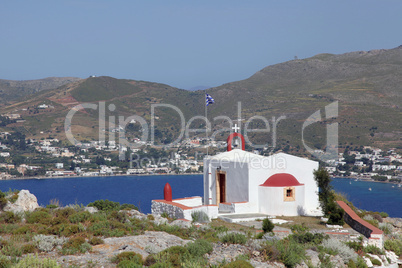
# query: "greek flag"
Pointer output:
{"type": "Point", "coordinates": [209, 99]}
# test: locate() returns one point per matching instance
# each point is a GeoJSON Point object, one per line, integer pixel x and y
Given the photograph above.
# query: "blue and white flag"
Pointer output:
{"type": "Point", "coordinates": [209, 99]}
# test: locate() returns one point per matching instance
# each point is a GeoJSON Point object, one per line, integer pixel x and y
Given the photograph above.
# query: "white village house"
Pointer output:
{"type": "Point", "coordinates": [240, 182]}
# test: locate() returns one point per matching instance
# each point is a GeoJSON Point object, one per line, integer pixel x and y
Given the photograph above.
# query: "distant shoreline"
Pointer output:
{"type": "Point", "coordinates": [100, 176]}
{"type": "Point", "coordinates": [366, 180]}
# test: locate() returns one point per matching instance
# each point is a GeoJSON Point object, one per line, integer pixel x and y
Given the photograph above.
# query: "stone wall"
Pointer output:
{"type": "Point", "coordinates": [180, 211]}
{"type": "Point", "coordinates": [158, 207]}
{"type": "Point", "coordinates": [374, 235]}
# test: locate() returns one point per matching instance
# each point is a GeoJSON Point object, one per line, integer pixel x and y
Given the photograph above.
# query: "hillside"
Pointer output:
{"type": "Point", "coordinates": [368, 86]}
{"type": "Point", "coordinates": [11, 90]}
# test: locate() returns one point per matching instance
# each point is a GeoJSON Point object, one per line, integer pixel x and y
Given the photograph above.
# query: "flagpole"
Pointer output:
{"type": "Point", "coordinates": [206, 122]}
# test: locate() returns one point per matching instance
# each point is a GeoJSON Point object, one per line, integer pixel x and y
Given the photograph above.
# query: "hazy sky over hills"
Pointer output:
{"type": "Point", "coordinates": [184, 43]}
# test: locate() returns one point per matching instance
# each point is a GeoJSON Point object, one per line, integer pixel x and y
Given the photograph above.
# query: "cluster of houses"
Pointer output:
{"type": "Point", "coordinates": [369, 163]}
{"type": "Point", "coordinates": [83, 161]}
{"type": "Point", "coordinates": [379, 162]}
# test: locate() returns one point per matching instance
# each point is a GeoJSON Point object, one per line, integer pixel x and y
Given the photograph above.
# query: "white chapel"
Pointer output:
{"type": "Point", "coordinates": [278, 185]}
{"type": "Point", "coordinates": [241, 182]}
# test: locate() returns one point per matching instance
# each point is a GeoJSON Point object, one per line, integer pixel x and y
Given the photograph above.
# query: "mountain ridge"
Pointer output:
{"type": "Point", "coordinates": [12, 90]}
{"type": "Point", "coordinates": [367, 85]}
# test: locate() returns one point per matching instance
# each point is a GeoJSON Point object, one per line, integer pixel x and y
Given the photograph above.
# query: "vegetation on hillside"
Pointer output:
{"type": "Point", "coordinates": [327, 198]}
{"type": "Point", "coordinates": [73, 230]}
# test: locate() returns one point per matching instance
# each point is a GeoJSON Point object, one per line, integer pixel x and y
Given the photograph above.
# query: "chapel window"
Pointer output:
{"type": "Point", "coordinates": [289, 194]}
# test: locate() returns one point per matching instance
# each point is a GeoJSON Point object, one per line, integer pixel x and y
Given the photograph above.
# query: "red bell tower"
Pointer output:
{"type": "Point", "coordinates": [234, 135]}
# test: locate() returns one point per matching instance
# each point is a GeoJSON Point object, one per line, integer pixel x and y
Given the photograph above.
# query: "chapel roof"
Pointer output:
{"type": "Point", "coordinates": [281, 180]}
{"type": "Point", "coordinates": [236, 155]}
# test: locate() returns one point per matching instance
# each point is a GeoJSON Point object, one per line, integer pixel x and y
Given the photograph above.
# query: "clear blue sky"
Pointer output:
{"type": "Point", "coordinates": [184, 43]}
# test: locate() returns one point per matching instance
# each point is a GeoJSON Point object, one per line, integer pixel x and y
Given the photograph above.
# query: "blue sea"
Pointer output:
{"type": "Point", "coordinates": [382, 197]}
{"type": "Point", "coordinates": [137, 190]}
{"type": "Point", "coordinates": [140, 190]}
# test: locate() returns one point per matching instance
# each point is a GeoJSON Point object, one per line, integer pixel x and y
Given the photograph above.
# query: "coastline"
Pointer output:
{"type": "Point", "coordinates": [110, 175]}
{"type": "Point", "coordinates": [366, 180]}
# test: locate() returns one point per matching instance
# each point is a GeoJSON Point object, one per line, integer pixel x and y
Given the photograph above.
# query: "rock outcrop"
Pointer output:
{"type": "Point", "coordinates": [25, 202]}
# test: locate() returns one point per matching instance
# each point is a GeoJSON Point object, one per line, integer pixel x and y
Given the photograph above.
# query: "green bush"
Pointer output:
{"type": "Point", "coordinates": [325, 260]}
{"type": "Point", "coordinates": [238, 264]}
{"type": "Point", "coordinates": [12, 250]}
{"type": "Point", "coordinates": [128, 207]}
{"type": "Point", "coordinates": [65, 212]}
{"type": "Point", "coordinates": [119, 216]}
{"type": "Point", "coordinates": [128, 264]}
{"type": "Point", "coordinates": [9, 217]}
{"type": "Point", "coordinates": [299, 229]}
{"type": "Point", "coordinates": [75, 245]}
{"type": "Point", "coordinates": [172, 256]}
{"type": "Point", "coordinates": [96, 241]}
{"type": "Point", "coordinates": [375, 262]}
{"type": "Point", "coordinates": [199, 216]}
{"type": "Point", "coordinates": [38, 216]}
{"type": "Point", "coordinates": [356, 246]}
{"type": "Point", "coordinates": [384, 214]}
{"type": "Point", "coordinates": [69, 230]}
{"type": "Point", "coordinates": [79, 217]}
{"type": "Point", "coordinates": [34, 261]}
{"type": "Point", "coordinates": [105, 205]}
{"type": "Point", "coordinates": [150, 260]}
{"type": "Point", "coordinates": [373, 222]}
{"type": "Point", "coordinates": [259, 235]}
{"type": "Point", "coordinates": [270, 252]}
{"type": "Point", "coordinates": [351, 264]}
{"type": "Point", "coordinates": [220, 229]}
{"type": "Point", "coordinates": [3, 202]}
{"type": "Point", "coordinates": [4, 262]}
{"type": "Point", "coordinates": [58, 220]}
{"type": "Point", "coordinates": [308, 237]}
{"type": "Point", "coordinates": [28, 248]}
{"type": "Point", "coordinates": [14, 196]}
{"type": "Point", "coordinates": [394, 245]}
{"type": "Point", "coordinates": [267, 225]}
{"type": "Point", "coordinates": [128, 256]}
{"type": "Point", "coordinates": [373, 250]}
{"type": "Point", "coordinates": [336, 216]}
{"type": "Point", "coordinates": [195, 263]}
{"type": "Point", "coordinates": [361, 263]}
{"type": "Point", "coordinates": [234, 238]}
{"type": "Point", "coordinates": [199, 247]}
{"type": "Point", "coordinates": [290, 252]}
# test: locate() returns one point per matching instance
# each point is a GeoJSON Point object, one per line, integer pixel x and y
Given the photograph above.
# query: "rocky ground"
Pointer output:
{"type": "Point", "coordinates": [155, 241]}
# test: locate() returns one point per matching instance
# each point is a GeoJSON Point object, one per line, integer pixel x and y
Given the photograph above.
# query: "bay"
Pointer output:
{"type": "Point", "coordinates": [137, 190]}
{"type": "Point", "coordinates": [382, 197]}
{"type": "Point", "coordinates": [140, 190]}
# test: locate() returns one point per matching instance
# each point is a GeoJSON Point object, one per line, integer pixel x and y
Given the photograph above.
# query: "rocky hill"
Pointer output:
{"type": "Point", "coordinates": [11, 90]}
{"type": "Point", "coordinates": [366, 84]}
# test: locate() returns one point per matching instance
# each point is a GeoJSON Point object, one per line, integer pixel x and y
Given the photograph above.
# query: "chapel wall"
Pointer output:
{"type": "Point", "coordinates": [173, 211]}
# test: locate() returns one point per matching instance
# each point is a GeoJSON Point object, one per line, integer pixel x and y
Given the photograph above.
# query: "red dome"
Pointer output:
{"type": "Point", "coordinates": [281, 180]}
